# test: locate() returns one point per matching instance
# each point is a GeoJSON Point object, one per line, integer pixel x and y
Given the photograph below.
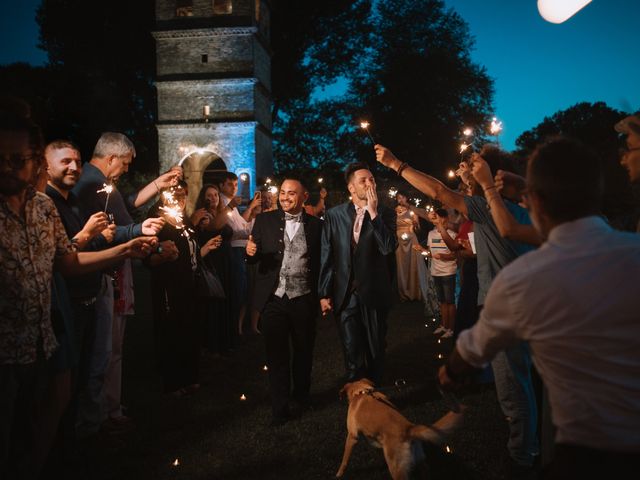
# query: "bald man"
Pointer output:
{"type": "Point", "coordinates": [285, 246]}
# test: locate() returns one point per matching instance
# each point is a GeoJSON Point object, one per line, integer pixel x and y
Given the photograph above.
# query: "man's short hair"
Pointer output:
{"type": "Point", "coordinates": [113, 143]}
{"type": "Point", "coordinates": [296, 179]}
{"type": "Point", "coordinates": [441, 212]}
{"type": "Point", "coordinates": [628, 125]}
{"type": "Point", "coordinates": [352, 168]}
{"type": "Point", "coordinates": [60, 144]}
{"type": "Point", "coordinates": [497, 158]}
{"type": "Point", "coordinates": [224, 176]}
{"type": "Point", "coordinates": [567, 177]}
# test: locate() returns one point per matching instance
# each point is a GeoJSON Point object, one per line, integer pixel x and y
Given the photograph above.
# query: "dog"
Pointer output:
{"type": "Point", "coordinates": [373, 416]}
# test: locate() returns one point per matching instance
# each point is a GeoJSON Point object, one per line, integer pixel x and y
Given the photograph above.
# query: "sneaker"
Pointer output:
{"type": "Point", "coordinates": [447, 334]}
{"type": "Point", "coordinates": [438, 330]}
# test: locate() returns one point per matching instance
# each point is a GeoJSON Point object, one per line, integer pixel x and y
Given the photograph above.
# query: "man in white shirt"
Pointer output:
{"type": "Point", "coordinates": [241, 224]}
{"type": "Point", "coordinates": [443, 270]}
{"type": "Point", "coordinates": [575, 301]}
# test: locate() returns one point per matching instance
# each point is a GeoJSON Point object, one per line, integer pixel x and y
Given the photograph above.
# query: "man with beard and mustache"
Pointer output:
{"type": "Point", "coordinates": [574, 300]}
{"type": "Point", "coordinates": [357, 266]}
{"type": "Point", "coordinates": [285, 247]}
{"type": "Point", "coordinates": [32, 244]}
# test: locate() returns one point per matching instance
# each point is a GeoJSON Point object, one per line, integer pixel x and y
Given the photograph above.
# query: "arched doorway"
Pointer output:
{"type": "Point", "coordinates": [200, 167]}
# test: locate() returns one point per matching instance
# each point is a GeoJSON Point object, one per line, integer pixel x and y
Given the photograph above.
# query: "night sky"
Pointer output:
{"type": "Point", "coordinates": [538, 67]}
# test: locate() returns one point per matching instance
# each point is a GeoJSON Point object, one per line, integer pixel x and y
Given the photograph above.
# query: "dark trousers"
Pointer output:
{"type": "Point", "coordinates": [362, 331]}
{"type": "Point", "coordinates": [572, 462]}
{"type": "Point", "coordinates": [289, 331]}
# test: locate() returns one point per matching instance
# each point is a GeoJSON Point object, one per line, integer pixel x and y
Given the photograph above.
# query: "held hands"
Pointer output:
{"type": "Point", "coordinates": [140, 247]}
{"type": "Point", "coordinates": [212, 244]}
{"type": "Point", "coordinates": [325, 306]}
{"type": "Point", "coordinates": [151, 226]}
{"type": "Point", "coordinates": [386, 158]}
{"type": "Point", "coordinates": [251, 247]}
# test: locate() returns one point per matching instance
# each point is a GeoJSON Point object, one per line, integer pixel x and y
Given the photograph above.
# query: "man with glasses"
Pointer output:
{"type": "Point", "coordinates": [32, 244]}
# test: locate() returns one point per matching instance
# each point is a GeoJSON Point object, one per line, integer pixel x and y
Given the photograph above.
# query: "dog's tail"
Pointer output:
{"type": "Point", "coordinates": [439, 431]}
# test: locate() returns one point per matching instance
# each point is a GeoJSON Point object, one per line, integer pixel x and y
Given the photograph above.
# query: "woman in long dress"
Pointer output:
{"type": "Point", "coordinates": [407, 259]}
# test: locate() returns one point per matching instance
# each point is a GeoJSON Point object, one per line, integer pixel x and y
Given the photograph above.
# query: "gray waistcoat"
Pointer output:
{"type": "Point", "coordinates": [294, 273]}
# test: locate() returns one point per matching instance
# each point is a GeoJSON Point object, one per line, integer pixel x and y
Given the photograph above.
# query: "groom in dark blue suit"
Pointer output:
{"type": "Point", "coordinates": [357, 265]}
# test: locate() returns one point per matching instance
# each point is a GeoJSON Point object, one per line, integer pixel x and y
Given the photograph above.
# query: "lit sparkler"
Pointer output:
{"type": "Point", "coordinates": [464, 147]}
{"type": "Point", "coordinates": [404, 236]}
{"type": "Point", "coordinates": [467, 132]}
{"type": "Point", "coordinates": [417, 202]}
{"type": "Point", "coordinates": [320, 180]}
{"type": "Point", "coordinates": [365, 126]}
{"type": "Point", "coordinates": [176, 463]}
{"type": "Point", "coordinates": [273, 190]}
{"type": "Point", "coordinates": [451, 174]}
{"type": "Point", "coordinates": [265, 368]}
{"type": "Point", "coordinates": [244, 177]}
{"type": "Point", "coordinates": [448, 449]}
{"type": "Point", "coordinates": [393, 191]}
{"type": "Point", "coordinates": [173, 210]}
{"type": "Point", "coordinates": [107, 188]}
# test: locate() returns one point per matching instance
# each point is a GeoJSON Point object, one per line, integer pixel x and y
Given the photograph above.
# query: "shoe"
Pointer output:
{"type": "Point", "coordinates": [438, 330]}
{"type": "Point", "coordinates": [447, 334]}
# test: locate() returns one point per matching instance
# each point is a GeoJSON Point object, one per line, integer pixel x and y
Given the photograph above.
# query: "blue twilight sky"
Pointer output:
{"type": "Point", "coordinates": [538, 67]}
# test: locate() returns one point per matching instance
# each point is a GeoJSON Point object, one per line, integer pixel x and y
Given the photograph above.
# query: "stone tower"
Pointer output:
{"type": "Point", "coordinates": [214, 84]}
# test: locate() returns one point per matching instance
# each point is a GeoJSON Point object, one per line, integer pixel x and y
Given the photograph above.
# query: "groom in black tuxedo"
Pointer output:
{"type": "Point", "coordinates": [285, 245]}
{"type": "Point", "coordinates": [357, 266]}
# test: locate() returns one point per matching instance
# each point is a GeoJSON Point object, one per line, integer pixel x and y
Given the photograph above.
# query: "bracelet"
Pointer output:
{"type": "Point", "coordinates": [156, 185]}
{"type": "Point", "coordinates": [402, 166]}
{"type": "Point", "coordinates": [492, 187]}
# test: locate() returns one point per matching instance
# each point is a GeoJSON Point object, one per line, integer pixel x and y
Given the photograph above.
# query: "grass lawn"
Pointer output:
{"type": "Point", "coordinates": [214, 435]}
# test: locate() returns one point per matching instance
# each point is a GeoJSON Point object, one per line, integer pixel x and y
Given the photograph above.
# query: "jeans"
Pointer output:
{"type": "Point", "coordinates": [512, 374]}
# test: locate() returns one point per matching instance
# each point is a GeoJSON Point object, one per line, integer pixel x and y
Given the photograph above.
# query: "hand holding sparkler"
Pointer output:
{"type": "Point", "coordinates": [387, 158]}
{"type": "Point", "coordinates": [211, 245]}
{"type": "Point", "coordinates": [109, 233]}
{"type": "Point", "coordinates": [482, 172]}
{"type": "Point", "coordinates": [169, 179]}
{"type": "Point", "coordinates": [151, 226]}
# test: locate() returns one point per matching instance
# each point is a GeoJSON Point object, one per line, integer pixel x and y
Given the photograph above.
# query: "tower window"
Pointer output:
{"type": "Point", "coordinates": [222, 7]}
{"type": "Point", "coordinates": [184, 8]}
{"type": "Point", "coordinates": [204, 57]}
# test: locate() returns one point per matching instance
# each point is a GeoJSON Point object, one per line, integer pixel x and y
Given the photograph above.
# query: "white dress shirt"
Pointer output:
{"type": "Point", "coordinates": [576, 300]}
{"type": "Point", "coordinates": [241, 228]}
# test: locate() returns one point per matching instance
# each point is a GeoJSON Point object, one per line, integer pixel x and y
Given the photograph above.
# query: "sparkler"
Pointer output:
{"type": "Point", "coordinates": [265, 368]}
{"type": "Point", "coordinates": [467, 132]}
{"type": "Point", "coordinates": [393, 192]}
{"type": "Point", "coordinates": [451, 174]}
{"type": "Point", "coordinates": [172, 209]}
{"type": "Point", "coordinates": [273, 190]}
{"type": "Point", "coordinates": [404, 236]}
{"type": "Point", "coordinates": [417, 202]}
{"type": "Point", "coordinates": [107, 189]}
{"type": "Point", "coordinates": [320, 180]}
{"type": "Point", "coordinates": [365, 126]}
{"type": "Point", "coordinates": [244, 177]}
{"type": "Point", "coordinates": [496, 129]}
{"type": "Point", "coordinates": [463, 147]}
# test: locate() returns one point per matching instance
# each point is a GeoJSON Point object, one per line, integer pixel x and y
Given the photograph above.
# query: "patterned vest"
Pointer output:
{"type": "Point", "coordinates": [294, 272]}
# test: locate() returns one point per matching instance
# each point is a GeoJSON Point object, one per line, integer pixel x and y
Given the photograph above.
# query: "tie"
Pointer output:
{"type": "Point", "coordinates": [357, 225]}
{"type": "Point", "coordinates": [293, 218]}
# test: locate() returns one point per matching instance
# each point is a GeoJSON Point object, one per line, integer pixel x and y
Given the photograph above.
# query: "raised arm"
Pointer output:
{"type": "Point", "coordinates": [507, 225]}
{"type": "Point", "coordinates": [425, 183]}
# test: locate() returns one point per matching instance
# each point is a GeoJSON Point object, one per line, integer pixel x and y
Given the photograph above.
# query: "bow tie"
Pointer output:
{"type": "Point", "coordinates": [293, 218]}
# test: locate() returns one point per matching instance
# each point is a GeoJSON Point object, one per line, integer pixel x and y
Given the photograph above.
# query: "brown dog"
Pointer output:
{"type": "Point", "coordinates": [372, 415]}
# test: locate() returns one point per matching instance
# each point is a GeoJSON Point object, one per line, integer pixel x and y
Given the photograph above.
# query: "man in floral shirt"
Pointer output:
{"type": "Point", "coordinates": [33, 242]}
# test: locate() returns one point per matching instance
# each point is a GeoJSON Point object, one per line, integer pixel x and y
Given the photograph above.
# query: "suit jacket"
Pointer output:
{"type": "Point", "coordinates": [268, 234]}
{"type": "Point", "coordinates": [369, 267]}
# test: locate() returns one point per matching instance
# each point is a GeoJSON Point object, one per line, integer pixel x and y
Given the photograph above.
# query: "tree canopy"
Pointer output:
{"type": "Point", "coordinates": [408, 71]}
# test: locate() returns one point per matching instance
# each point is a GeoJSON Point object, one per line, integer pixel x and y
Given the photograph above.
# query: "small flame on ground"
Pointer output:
{"type": "Point", "coordinates": [242, 398]}
{"type": "Point", "coordinates": [265, 368]}
{"type": "Point", "coordinates": [320, 180]}
{"type": "Point", "coordinates": [176, 463]}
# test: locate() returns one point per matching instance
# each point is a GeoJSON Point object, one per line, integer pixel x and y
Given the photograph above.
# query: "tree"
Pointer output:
{"type": "Point", "coordinates": [409, 73]}
{"type": "Point", "coordinates": [592, 124]}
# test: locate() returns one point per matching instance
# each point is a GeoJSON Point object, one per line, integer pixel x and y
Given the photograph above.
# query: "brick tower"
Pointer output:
{"type": "Point", "coordinates": [214, 83]}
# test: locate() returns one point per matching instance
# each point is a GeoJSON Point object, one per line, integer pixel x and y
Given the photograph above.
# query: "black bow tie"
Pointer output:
{"type": "Point", "coordinates": [292, 218]}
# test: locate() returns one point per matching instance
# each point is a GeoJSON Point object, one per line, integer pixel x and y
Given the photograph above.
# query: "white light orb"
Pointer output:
{"type": "Point", "coordinates": [558, 11]}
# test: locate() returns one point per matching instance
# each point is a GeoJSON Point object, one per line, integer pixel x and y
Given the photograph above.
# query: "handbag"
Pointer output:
{"type": "Point", "coordinates": [208, 283]}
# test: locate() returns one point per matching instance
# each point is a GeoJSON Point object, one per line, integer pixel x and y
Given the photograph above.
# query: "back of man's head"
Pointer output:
{"type": "Point", "coordinates": [567, 177]}
{"type": "Point", "coordinates": [224, 176]}
{"type": "Point", "coordinates": [113, 143]}
{"type": "Point", "coordinates": [352, 168]}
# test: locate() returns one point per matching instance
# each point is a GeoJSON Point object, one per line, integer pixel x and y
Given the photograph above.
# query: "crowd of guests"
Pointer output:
{"type": "Point", "coordinates": [513, 268]}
